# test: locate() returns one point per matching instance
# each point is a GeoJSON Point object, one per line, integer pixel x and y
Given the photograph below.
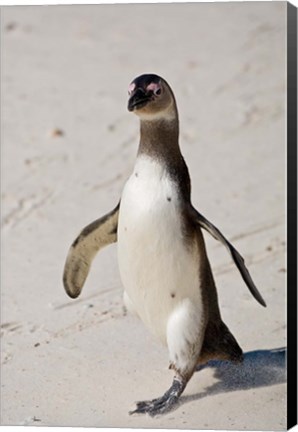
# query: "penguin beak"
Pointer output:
{"type": "Point", "coordinates": [138, 100]}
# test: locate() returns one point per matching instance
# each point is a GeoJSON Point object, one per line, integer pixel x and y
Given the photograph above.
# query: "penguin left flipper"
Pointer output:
{"type": "Point", "coordinates": [92, 238]}
{"type": "Point", "coordinates": [238, 259]}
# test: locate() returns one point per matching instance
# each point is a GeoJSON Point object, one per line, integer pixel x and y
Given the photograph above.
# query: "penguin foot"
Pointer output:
{"type": "Point", "coordinates": [163, 404]}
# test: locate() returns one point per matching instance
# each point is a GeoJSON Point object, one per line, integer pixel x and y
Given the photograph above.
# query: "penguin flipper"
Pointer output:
{"type": "Point", "coordinates": [92, 238]}
{"type": "Point", "coordinates": [238, 259]}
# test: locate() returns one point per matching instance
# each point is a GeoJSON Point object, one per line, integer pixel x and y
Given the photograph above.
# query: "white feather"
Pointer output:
{"type": "Point", "coordinates": [184, 335]}
{"type": "Point", "coordinates": [167, 114]}
{"type": "Point", "coordinates": [159, 272]}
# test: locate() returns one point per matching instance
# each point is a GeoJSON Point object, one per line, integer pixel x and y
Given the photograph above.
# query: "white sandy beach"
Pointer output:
{"type": "Point", "coordinates": [68, 146]}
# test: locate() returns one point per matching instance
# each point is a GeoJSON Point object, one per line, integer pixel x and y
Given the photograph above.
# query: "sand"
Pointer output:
{"type": "Point", "coordinates": [68, 146]}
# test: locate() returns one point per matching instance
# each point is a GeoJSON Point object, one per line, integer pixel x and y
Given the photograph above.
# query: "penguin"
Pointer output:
{"type": "Point", "coordinates": [167, 278]}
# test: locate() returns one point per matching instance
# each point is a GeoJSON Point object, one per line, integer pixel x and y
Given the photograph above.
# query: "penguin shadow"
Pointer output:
{"type": "Point", "coordinates": [261, 368]}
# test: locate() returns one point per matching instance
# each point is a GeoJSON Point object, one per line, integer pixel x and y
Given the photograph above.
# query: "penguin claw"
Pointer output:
{"type": "Point", "coordinates": [156, 406]}
{"type": "Point", "coordinates": [163, 404]}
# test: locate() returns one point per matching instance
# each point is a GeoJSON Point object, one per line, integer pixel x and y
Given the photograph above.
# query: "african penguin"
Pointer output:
{"type": "Point", "coordinates": [163, 263]}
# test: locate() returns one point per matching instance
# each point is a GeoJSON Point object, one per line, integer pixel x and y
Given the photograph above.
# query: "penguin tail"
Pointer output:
{"type": "Point", "coordinates": [229, 345]}
{"type": "Point", "coordinates": [220, 344]}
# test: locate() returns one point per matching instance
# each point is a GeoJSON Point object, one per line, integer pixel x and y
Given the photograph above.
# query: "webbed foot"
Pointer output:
{"type": "Point", "coordinates": [163, 404]}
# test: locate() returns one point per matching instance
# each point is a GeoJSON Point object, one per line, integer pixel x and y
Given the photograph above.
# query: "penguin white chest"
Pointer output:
{"type": "Point", "coordinates": [158, 269]}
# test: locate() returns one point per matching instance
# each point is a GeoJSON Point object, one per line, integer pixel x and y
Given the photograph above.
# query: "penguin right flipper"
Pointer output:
{"type": "Point", "coordinates": [238, 259]}
{"type": "Point", "coordinates": [92, 238]}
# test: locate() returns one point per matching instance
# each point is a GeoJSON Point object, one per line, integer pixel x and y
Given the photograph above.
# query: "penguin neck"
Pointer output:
{"type": "Point", "coordinates": [159, 139]}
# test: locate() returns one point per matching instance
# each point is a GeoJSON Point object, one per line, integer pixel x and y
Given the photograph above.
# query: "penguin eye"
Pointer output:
{"type": "Point", "coordinates": [155, 88]}
{"type": "Point", "coordinates": [131, 88]}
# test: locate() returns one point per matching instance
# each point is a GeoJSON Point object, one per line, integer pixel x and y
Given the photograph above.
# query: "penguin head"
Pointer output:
{"type": "Point", "coordinates": [150, 97]}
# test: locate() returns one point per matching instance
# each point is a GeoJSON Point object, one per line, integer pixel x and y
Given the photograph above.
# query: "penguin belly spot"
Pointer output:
{"type": "Point", "coordinates": [157, 268]}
